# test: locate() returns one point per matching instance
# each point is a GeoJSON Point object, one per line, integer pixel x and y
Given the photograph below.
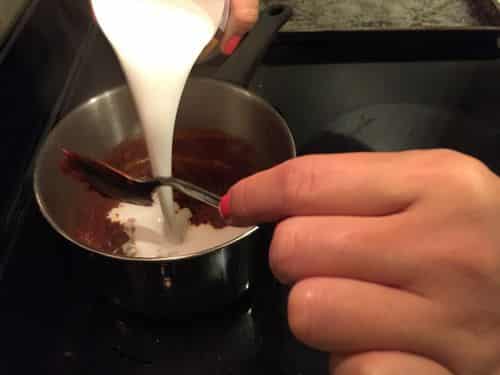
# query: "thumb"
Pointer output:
{"type": "Point", "coordinates": [243, 16]}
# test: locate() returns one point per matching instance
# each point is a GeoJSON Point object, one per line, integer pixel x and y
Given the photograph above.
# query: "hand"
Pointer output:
{"type": "Point", "coordinates": [243, 16]}
{"type": "Point", "coordinates": [394, 258]}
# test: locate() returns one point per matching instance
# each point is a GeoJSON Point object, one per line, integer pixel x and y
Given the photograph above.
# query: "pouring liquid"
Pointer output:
{"type": "Point", "coordinates": [157, 43]}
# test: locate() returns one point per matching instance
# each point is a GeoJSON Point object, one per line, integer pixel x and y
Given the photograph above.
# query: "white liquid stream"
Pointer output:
{"type": "Point", "coordinates": [157, 43]}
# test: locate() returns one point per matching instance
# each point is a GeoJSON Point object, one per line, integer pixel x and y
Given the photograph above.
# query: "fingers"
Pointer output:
{"type": "Point", "coordinates": [345, 247]}
{"type": "Point", "coordinates": [348, 316]}
{"type": "Point", "coordinates": [243, 16]}
{"type": "Point", "coordinates": [360, 184]}
{"type": "Point", "coordinates": [386, 363]}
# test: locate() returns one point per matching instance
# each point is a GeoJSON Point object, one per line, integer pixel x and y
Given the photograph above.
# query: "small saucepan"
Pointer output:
{"type": "Point", "coordinates": [216, 277]}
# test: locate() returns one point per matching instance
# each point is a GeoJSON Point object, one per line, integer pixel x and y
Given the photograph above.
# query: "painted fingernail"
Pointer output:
{"type": "Point", "coordinates": [225, 206]}
{"type": "Point", "coordinates": [231, 45]}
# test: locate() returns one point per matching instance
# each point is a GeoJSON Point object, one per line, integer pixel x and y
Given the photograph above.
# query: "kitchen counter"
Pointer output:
{"type": "Point", "coordinates": [10, 10]}
{"type": "Point", "coordinates": [324, 15]}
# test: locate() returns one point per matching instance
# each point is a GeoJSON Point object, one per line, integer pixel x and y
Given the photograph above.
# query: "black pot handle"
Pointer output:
{"type": "Point", "coordinates": [239, 68]}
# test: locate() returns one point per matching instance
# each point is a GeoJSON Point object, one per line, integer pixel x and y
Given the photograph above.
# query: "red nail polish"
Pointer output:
{"type": "Point", "coordinates": [225, 206]}
{"type": "Point", "coordinates": [231, 44]}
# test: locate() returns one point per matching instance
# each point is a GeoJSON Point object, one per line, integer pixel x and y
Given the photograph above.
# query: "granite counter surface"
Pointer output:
{"type": "Point", "coordinates": [323, 15]}
{"type": "Point", "coordinates": [10, 10]}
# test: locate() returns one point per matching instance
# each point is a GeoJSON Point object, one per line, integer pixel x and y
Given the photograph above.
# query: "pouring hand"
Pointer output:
{"type": "Point", "coordinates": [243, 16]}
{"type": "Point", "coordinates": [394, 257]}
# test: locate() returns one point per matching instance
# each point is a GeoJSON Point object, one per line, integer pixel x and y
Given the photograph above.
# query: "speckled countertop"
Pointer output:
{"type": "Point", "coordinates": [9, 12]}
{"type": "Point", "coordinates": [320, 15]}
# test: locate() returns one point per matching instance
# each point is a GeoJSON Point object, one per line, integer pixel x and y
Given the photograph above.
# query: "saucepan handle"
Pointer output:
{"type": "Point", "coordinates": [239, 68]}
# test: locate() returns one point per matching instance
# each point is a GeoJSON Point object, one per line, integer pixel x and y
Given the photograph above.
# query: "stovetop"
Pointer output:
{"type": "Point", "coordinates": [51, 318]}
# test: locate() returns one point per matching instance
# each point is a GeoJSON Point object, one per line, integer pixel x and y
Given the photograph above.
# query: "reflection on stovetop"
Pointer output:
{"type": "Point", "coordinates": [399, 127]}
{"type": "Point", "coordinates": [227, 340]}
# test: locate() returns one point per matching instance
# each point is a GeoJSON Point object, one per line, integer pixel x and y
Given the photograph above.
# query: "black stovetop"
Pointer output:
{"type": "Point", "coordinates": [335, 100]}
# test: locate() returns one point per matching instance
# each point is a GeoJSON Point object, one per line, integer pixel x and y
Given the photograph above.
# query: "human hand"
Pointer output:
{"type": "Point", "coordinates": [394, 258]}
{"type": "Point", "coordinates": [243, 16]}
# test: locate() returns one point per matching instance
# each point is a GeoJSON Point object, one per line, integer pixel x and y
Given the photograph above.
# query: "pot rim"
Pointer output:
{"type": "Point", "coordinates": [191, 255]}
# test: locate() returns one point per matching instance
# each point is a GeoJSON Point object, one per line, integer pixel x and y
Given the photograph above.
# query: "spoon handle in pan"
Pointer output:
{"type": "Point", "coordinates": [192, 191]}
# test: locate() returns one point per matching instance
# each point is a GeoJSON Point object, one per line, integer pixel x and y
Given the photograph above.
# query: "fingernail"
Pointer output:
{"type": "Point", "coordinates": [225, 206]}
{"type": "Point", "coordinates": [231, 44]}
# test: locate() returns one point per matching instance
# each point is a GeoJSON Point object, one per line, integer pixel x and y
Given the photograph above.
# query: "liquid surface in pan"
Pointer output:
{"type": "Point", "coordinates": [209, 158]}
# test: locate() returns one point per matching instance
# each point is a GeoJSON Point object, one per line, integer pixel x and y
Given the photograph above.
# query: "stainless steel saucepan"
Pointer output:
{"type": "Point", "coordinates": [193, 283]}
